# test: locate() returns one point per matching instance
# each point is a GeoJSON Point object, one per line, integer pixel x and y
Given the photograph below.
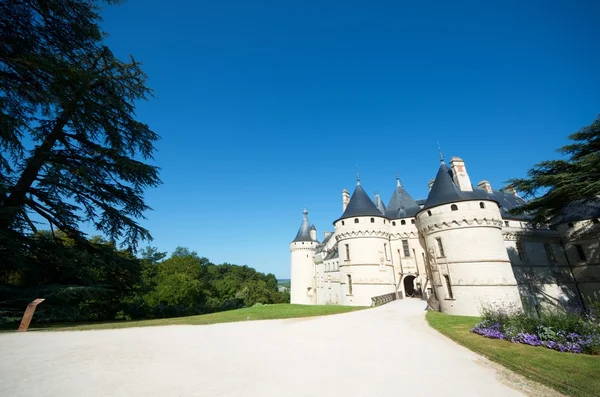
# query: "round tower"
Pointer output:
{"type": "Point", "coordinates": [462, 231]}
{"type": "Point", "coordinates": [303, 249]}
{"type": "Point", "coordinates": [362, 234]}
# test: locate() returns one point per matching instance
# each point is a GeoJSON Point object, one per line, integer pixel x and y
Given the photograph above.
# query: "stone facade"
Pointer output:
{"type": "Point", "coordinates": [461, 246]}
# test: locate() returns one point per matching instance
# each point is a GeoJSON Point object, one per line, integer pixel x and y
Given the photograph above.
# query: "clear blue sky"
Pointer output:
{"type": "Point", "coordinates": [265, 107]}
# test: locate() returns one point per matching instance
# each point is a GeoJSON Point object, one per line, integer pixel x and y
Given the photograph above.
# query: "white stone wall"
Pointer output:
{"type": "Point", "coordinates": [414, 263]}
{"type": "Point", "coordinates": [302, 273]}
{"type": "Point", "coordinates": [368, 271]}
{"type": "Point", "coordinates": [545, 278]}
{"type": "Point", "coordinates": [474, 261]}
{"type": "Point", "coordinates": [586, 271]}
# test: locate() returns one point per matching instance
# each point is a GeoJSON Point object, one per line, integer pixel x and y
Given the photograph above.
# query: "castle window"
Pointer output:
{"type": "Point", "coordinates": [405, 248]}
{"type": "Point", "coordinates": [347, 252]}
{"type": "Point", "coordinates": [570, 224]}
{"type": "Point", "coordinates": [580, 252]}
{"type": "Point", "coordinates": [521, 251]}
{"type": "Point", "coordinates": [385, 250]}
{"type": "Point", "coordinates": [343, 223]}
{"type": "Point", "coordinates": [394, 223]}
{"type": "Point", "coordinates": [412, 221]}
{"type": "Point", "coordinates": [506, 223]}
{"type": "Point", "coordinates": [454, 207]}
{"type": "Point", "coordinates": [440, 247]}
{"type": "Point", "coordinates": [403, 222]}
{"type": "Point", "coordinates": [384, 221]}
{"type": "Point", "coordinates": [448, 287]}
{"type": "Point", "coordinates": [482, 205]}
{"type": "Point", "coordinates": [355, 220]}
{"type": "Point", "coordinates": [349, 285]}
{"type": "Point", "coordinates": [428, 213]}
{"type": "Point", "coordinates": [595, 221]}
{"type": "Point", "coordinates": [372, 220]}
{"type": "Point", "coordinates": [549, 253]}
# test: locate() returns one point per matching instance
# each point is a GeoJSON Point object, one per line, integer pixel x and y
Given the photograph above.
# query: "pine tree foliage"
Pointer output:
{"type": "Point", "coordinates": [64, 91]}
{"type": "Point", "coordinates": [554, 184]}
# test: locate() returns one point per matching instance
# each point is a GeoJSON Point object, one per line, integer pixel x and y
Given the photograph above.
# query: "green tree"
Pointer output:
{"type": "Point", "coordinates": [63, 90]}
{"type": "Point", "coordinates": [152, 255]}
{"type": "Point", "coordinates": [553, 184]}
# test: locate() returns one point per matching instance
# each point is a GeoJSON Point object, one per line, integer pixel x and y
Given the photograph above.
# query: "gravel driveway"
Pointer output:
{"type": "Point", "coordinates": [386, 351]}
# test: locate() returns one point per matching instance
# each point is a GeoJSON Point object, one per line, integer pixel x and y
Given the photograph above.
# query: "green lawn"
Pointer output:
{"type": "Point", "coordinates": [570, 374]}
{"type": "Point", "coordinates": [266, 312]}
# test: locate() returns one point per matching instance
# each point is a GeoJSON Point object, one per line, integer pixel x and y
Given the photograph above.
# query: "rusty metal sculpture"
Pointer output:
{"type": "Point", "coordinates": [28, 315]}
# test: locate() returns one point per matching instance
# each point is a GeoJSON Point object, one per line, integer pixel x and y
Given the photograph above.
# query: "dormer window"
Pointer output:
{"type": "Point", "coordinates": [355, 220]}
{"type": "Point", "coordinates": [454, 207]}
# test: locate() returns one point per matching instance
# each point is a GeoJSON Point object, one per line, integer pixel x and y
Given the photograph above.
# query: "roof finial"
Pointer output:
{"type": "Point", "coordinates": [305, 212]}
{"type": "Point", "coordinates": [357, 176]}
{"type": "Point", "coordinates": [398, 183]}
{"type": "Point", "coordinates": [441, 155]}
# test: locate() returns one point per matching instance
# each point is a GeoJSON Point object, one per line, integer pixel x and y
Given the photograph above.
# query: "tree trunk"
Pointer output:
{"type": "Point", "coordinates": [17, 194]}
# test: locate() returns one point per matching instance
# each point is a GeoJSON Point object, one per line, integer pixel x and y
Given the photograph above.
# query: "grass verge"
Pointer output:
{"type": "Point", "coordinates": [265, 312]}
{"type": "Point", "coordinates": [571, 374]}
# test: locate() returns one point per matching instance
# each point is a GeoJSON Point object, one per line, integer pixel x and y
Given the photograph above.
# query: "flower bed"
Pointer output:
{"type": "Point", "coordinates": [565, 332]}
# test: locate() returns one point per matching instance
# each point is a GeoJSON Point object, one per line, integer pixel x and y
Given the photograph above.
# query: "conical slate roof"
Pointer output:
{"type": "Point", "coordinates": [444, 190]}
{"type": "Point", "coordinates": [379, 204]}
{"type": "Point", "coordinates": [401, 205]}
{"type": "Point", "coordinates": [304, 231]}
{"type": "Point", "coordinates": [360, 205]}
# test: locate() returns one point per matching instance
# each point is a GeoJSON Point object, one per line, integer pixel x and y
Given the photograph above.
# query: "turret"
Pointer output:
{"type": "Point", "coordinates": [362, 234]}
{"type": "Point", "coordinates": [302, 249]}
{"type": "Point", "coordinates": [466, 254]}
{"type": "Point", "coordinates": [407, 252]}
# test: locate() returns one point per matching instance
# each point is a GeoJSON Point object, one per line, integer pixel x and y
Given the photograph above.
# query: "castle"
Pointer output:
{"type": "Point", "coordinates": [461, 246]}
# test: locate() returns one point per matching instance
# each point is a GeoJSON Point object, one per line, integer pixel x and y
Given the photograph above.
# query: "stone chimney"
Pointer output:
{"type": "Point", "coordinates": [431, 184]}
{"type": "Point", "coordinates": [345, 199]}
{"type": "Point", "coordinates": [327, 233]}
{"type": "Point", "coordinates": [511, 190]}
{"type": "Point", "coordinates": [485, 185]}
{"type": "Point", "coordinates": [459, 173]}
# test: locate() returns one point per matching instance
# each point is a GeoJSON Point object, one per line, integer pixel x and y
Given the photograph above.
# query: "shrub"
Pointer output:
{"type": "Point", "coordinates": [563, 331]}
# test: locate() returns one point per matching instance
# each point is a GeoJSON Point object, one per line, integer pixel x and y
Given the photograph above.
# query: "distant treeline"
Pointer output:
{"type": "Point", "coordinates": [97, 282]}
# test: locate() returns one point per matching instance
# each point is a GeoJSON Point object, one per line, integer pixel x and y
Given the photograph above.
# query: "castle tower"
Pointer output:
{"type": "Point", "coordinates": [362, 234]}
{"type": "Point", "coordinates": [407, 251]}
{"type": "Point", "coordinates": [302, 249]}
{"type": "Point", "coordinates": [462, 234]}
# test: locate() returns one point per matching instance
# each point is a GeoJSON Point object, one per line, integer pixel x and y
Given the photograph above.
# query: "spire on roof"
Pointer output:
{"type": "Point", "coordinates": [401, 205]}
{"type": "Point", "coordinates": [445, 191]}
{"type": "Point", "coordinates": [357, 176]}
{"type": "Point", "coordinates": [360, 205]}
{"type": "Point", "coordinates": [304, 231]}
{"type": "Point", "coordinates": [441, 155]}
